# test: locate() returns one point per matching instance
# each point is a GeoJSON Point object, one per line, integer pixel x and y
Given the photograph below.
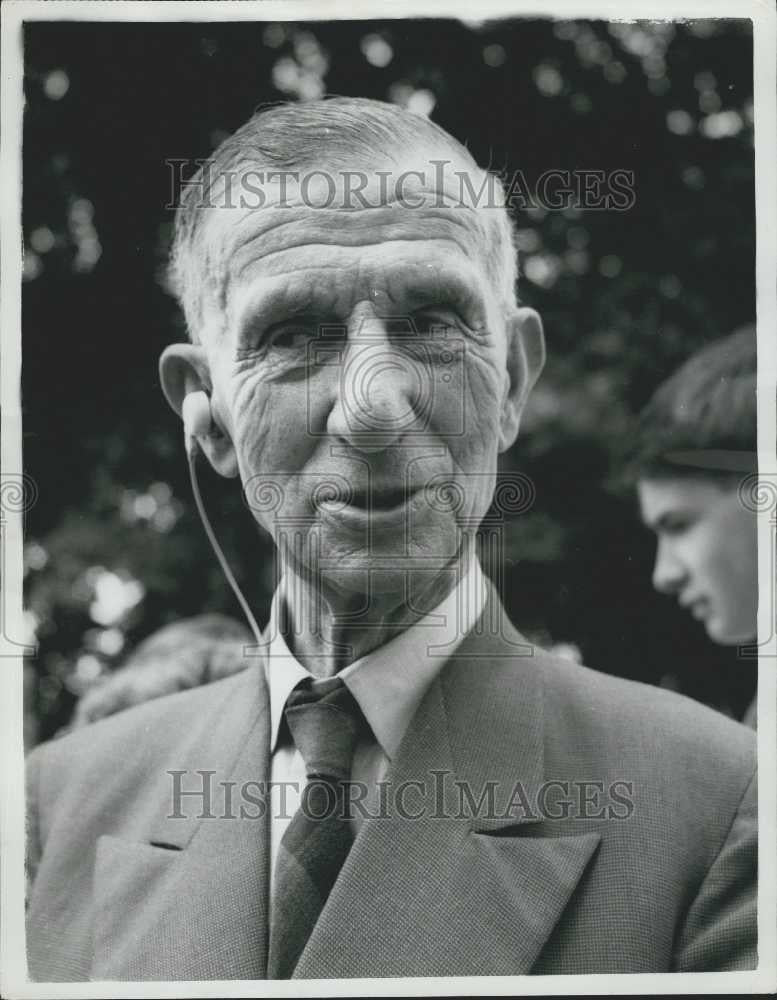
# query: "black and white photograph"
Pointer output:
{"type": "Point", "coordinates": [389, 499]}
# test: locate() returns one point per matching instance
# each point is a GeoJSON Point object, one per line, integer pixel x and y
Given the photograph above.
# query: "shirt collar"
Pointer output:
{"type": "Point", "coordinates": [389, 682]}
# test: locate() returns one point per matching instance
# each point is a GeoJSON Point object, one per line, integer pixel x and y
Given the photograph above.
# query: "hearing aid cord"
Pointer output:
{"type": "Point", "coordinates": [192, 451]}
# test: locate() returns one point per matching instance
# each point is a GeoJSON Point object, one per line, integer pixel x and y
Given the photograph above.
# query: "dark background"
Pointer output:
{"type": "Point", "coordinates": [114, 548]}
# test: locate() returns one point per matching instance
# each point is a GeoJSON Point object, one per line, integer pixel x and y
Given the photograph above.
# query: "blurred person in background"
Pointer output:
{"type": "Point", "coordinates": [696, 443]}
{"type": "Point", "coordinates": [179, 656]}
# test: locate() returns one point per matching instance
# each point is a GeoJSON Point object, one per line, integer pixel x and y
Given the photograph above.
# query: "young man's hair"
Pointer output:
{"type": "Point", "coordinates": [702, 420]}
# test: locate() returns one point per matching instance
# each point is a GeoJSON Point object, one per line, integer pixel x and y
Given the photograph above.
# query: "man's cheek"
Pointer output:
{"type": "Point", "coordinates": [482, 389]}
{"type": "Point", "coordinates": [250, 397]}
{"type": "Point", "coordinates": [261, 460]}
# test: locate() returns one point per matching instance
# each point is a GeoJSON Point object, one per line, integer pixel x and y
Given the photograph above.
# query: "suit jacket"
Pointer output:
{"type": "Point", "coordinates": [123, 891]}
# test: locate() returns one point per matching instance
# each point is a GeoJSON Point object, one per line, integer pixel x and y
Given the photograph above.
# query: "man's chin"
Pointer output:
{"type": "Point", "coordinates": [358, 580]}
{"type": "Point", "coordinates": [400, 583]}
{"type": "Point", "coordinates": [387, 574]}
{"type": "Point", "coordinates": [375, 562]}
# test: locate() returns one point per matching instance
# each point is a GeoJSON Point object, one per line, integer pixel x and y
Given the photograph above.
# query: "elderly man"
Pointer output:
{"type": "Point", "coordinates": [398, 784]}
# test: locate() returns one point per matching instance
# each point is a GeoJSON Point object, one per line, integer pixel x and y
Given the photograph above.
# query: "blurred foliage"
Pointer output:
{"type": "Point", "coordinates": [113, 546]}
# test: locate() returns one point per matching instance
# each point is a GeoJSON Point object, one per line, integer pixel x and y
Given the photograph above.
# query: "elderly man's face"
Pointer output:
{"type": "Point", "coordinates": [367, 377]}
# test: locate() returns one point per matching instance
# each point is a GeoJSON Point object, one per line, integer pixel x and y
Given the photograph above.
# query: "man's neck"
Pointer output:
{"type": "Point", "coordinates": [327, 628]}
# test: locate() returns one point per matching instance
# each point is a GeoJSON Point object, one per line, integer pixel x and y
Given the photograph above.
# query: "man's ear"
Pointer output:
{"type": "Point", "coordinates": [184, 368]}
{"type": "Point", "coordinates": [525, 360]}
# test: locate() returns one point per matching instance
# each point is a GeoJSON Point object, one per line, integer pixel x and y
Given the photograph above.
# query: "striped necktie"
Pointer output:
{"type": "Point", "coordinates": [324, 720]}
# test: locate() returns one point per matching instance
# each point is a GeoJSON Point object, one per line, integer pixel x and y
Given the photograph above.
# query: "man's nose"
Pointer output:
{"type": "Point", "coordinates": [669, 574]}
{"type": "Point", "coordinates": [382, 387]}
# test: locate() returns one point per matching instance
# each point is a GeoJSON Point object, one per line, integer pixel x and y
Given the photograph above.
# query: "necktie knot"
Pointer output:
{"type": "Point", "coordinates": [324, 720]}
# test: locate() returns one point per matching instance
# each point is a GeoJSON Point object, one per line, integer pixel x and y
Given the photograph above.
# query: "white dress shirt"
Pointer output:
{"type": "Point", "coordinates": [388, 685]}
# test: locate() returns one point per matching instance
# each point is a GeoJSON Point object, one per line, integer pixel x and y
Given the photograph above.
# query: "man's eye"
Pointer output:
{"type": "Point", "coordinates": [435, 320]}
{"type": "Point", "coordinates": [675, 525]}
{"type": "Point", "coordinates": [293, 334]}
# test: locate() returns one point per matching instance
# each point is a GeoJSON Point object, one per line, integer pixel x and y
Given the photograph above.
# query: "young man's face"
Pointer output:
{"type": "Point", "coordinates": [707, 552]}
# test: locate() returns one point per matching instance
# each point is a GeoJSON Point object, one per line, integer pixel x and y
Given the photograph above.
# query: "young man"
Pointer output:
{"type": "Point", "coordinates": [696, 444]}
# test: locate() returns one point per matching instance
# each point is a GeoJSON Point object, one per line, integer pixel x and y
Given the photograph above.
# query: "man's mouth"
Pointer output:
{"type": "Point", "coordinates": [380, 499]}
{"type": "Point", "coordinates": [697, 606]}
{"type": "Point", "coordinates": [384, 508]}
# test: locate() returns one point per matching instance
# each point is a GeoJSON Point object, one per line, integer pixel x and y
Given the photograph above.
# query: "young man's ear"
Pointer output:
{"type": "Point", "coordinates": [525, 360]}
{"type": "Point", "coordinates": [183, 368]}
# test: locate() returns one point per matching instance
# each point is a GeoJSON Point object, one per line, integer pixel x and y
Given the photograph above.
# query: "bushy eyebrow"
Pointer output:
{"type": "Point", "coordinates": [410, 286]}
{"type": "Point", "coordinates": [439, 286]}
{"type": "Point", "coordinates": [272, 304]}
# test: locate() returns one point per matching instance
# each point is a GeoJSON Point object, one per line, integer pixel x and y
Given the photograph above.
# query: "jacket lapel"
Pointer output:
{"type": "Point", "coordinates": [461, 889]}
{"type": "Point", "coordinates": [191, 902]}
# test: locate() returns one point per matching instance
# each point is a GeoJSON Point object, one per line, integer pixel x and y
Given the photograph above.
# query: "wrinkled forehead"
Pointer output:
{"type": "Point", "coordinates": [258, 218]}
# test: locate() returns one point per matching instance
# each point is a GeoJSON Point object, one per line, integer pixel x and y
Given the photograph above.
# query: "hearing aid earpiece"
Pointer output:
{"type": "Point", "coordinates": [196, 414]}
{"type": "Point", "coordinates": [197, 424]}
{"type": "Point", "coordinates": [197, 419]}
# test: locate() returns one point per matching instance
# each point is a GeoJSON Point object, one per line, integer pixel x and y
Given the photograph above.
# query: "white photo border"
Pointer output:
{"type": "Point", "coordinates": [13, 971]}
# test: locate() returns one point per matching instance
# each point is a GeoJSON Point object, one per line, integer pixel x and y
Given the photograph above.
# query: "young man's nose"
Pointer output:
{"type": "Point", "coordinates": [669, 573]}
{"type": "Point", "coordinates": [382, 386]}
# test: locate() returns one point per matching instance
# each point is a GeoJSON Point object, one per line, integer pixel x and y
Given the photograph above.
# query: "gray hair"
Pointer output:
{"type": "Point", "coordinates": [337, 132]}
